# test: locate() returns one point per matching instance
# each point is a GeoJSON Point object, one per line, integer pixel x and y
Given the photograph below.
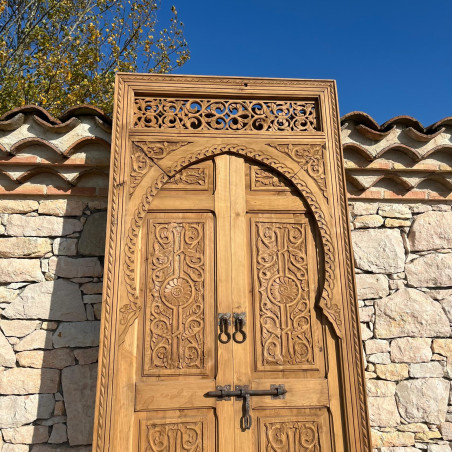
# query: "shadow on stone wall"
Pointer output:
{"type": "Point", "coordinates": [51, 270]}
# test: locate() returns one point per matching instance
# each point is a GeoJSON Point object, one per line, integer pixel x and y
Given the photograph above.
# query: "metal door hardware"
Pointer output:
{"type": "Point", "coordinates": [224, 391]}
{"type": "Point", "coordinates": [224, 321]}
{"type": "Point", "coordinates": [239, 335]}
{"type": "Point", "coordinates": [244, 393]}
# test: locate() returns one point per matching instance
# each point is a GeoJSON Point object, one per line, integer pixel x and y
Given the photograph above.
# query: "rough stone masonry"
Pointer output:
{"type": "Point", "coordinates": [403, 259]}
{"type": "Point", "coordinates": [51, 283]}
{"type": "Point", "coordinates": [51, 275]}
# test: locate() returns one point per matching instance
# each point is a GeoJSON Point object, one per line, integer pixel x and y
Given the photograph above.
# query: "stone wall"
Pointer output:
{"type": "Point", "coordinates": [50, 298]}
{"type": "Point", "coordinates": [53, 176]}
{"type": "Point", "coordinates": [403, 259]}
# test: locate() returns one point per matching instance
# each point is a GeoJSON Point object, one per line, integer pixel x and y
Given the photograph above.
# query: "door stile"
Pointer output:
{"type": "Point", "coordinates": [240, 295]}
{"type": "Point", "coordinates": [224, 265]}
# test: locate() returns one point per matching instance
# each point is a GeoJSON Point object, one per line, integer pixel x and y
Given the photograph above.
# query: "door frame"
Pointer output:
{"type": "Point", "coordinates": [167, 152]}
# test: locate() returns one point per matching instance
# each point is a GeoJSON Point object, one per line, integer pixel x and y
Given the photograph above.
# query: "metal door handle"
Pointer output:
{"type": "Point", "coordinates": [239, 323]}
{"type": "Point", "coordinates": [224, 320]}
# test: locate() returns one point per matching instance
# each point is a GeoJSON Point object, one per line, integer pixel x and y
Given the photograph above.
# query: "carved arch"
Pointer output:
{"type": "Point", "coordinates": [129, 311]}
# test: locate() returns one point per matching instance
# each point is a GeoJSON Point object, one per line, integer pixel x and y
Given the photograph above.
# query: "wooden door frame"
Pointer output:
{"type": "Point", "coordinates": [168, 152]}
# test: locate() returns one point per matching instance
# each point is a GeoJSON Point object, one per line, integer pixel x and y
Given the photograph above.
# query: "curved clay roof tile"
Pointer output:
{"type": "Point", "coordinates": [85, 110]}
{"type": "Point", "coordinates": [63, 127]}
{"type": "Point", "coordinates": [12, 123]}
{"type": "Point", "coordinates": [45, 119]}
{"type": "Point", "coordinates": [27, 175]}
{"type": "Point", "coordinates": [26, 142]}
{"type": "Point", "coordinates": [363, 119]}
{"type": "Point", "coordinates": [34, 109]}
{"type": "Point", "coordinates": [74, 147]}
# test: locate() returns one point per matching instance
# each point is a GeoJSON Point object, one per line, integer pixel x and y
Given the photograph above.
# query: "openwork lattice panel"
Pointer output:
{"type": "Point", "coordinates": [222, 115]}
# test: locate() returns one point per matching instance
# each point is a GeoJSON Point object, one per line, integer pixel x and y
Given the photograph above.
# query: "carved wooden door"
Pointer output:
{"type": "Point", "coordinates": [274, 280]}
{"type": "Point", "coordinates": [230, 320]}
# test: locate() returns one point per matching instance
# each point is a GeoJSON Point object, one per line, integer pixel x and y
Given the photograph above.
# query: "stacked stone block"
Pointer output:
{"type": "Point", "coordinates": [51, 254]}
{"type": "Point", "coordinates": [403, 259]}
{"type": "Point", "coordinates": [50, 276]}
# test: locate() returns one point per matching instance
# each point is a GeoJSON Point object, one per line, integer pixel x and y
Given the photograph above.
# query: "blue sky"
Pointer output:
{"type": "Point", "coordinates": [388, 57]}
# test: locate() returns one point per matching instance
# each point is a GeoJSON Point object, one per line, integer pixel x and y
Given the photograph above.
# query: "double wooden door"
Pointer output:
{"type": "Point", "coordinates": [230, 319]}
{"type": "Point", "coordinates": [230, 282]}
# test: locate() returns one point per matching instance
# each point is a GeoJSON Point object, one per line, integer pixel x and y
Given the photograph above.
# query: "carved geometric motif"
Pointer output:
{"type": "Point", "coordinates": [291, 436]}
{"type": "Point", "coordinates": [221, 115]}
{"type": "Point", "coordinates": [175, 327]}
{"type": "Point", "coordinates": [281, 269]}
{"type": "Point", "coordinates": [310, 158]}
{"type": "Point", "coordinates": [172, 437]}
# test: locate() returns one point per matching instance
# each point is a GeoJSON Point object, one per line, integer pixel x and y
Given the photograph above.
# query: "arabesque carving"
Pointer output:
{"type": "Point", "coordinates": [280, 265]}
{"type": "Point", "coordinates": [291, 436]}
{"type": "Point", "coordinates": [140, 164]}
{"type": "Point", "coordinates": [221, 115]}
{"type": "Point", "coordinates": [175, 330]}
{"type": "Point", "coordinates": [265, 180]}
{"type": "Point", "coordinates": [310, 158]}
{"type": "Point", "coordinates": [157, 150]}
{"type": "Point", "coordinates": [171, 437]}
{"type": "Point", "coordinates": [123, 381]}
{"type": "Point", "coordinates": [329, 307]}
{"type": "Point", "coordinates": [132, 307]}
{"type": "Point", "coordinates": [195, 178]}
{"type": "Point", "coordinates": [142, 157]}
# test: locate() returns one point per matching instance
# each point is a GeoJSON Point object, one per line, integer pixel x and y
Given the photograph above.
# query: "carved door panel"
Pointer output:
{"type": "Point", "coordinates": [177, 354]}
{"type": "Point", "coordinates": [275, 245]}
{"type": "Point", "coordinates": [227, 201]}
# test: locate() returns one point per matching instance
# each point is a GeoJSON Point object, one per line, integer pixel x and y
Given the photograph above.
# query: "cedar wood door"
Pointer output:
{"type": "Point", "coordinates": [216, 215]}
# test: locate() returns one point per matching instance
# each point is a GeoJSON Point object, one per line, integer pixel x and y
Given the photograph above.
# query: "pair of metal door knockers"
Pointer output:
{"type": "Point", "coordinates": [230, 318]}
{"type": "Point", "coordinates": [243, 392]}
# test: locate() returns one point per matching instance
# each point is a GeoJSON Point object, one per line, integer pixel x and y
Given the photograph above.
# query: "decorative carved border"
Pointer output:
{"type": "Point", "coordinates": [234, 81]}
{"type": "Point", "coordinates": [350, 282]}
{"type": "Point", "coordinates": [131, 309]}
{"type": "Point", "coordinates": [103, 373]}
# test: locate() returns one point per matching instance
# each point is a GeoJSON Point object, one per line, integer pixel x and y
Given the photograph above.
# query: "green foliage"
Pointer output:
{"type": "Point", "coordinates": [61, 53]}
